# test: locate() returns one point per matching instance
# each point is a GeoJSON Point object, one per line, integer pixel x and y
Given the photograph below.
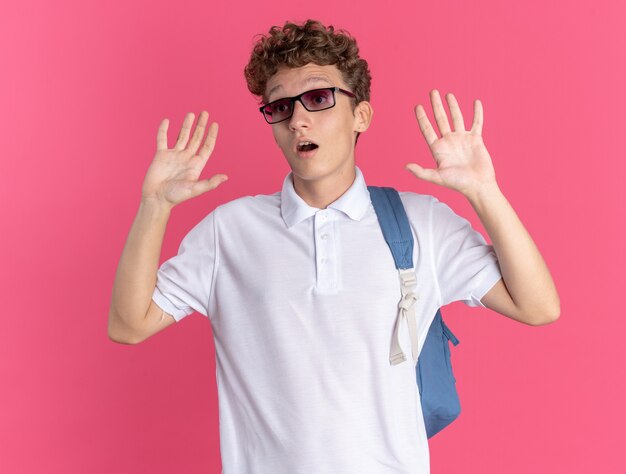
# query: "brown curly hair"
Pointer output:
{"type": "Point", "coordinates": [296, 45]}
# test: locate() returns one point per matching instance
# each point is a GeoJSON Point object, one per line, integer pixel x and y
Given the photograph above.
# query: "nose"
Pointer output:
{"type": "Point", "coordinates": [300, 116]}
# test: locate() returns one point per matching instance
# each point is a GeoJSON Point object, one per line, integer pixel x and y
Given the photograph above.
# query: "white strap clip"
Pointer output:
{"type": "Point", "coordinates": [406, 311]}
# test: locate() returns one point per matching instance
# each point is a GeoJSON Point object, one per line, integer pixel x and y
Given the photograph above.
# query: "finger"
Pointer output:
{"type": "Point", "coordinates": [183, 136]}
{"type": "Point", "coordinates": [440, 113]}
{"type": "Point", "coordinates": [162, 135]}
{"type": "Point", "coordinates": [455, 113]}
{"type": "Point", "coordinates": [198, 133]}
{"type": "Point", "coordinates": [430, 175]}
{"type": "Point", "coordinates": [477, 124]}
{"type": "Point", "coordinates": [427, 129]}
{"type": "Point", "coordinates": [209, 142]}
{"type": "Point", "coordinates": [205, 185]}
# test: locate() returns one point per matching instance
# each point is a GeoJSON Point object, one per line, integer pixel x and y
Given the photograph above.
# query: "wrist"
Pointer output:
{"type": "Point", "coordinates": [155, 205]}
{"type": "Point", "coordinates": [485, 193]}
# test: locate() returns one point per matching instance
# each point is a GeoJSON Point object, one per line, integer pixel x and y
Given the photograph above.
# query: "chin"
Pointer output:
{"type": "Point", "coordinates": [309, 174]}
{"type": "Point", "coordinates": [317, 168]}
{"type": "Point", "coordinates": [311, 169]}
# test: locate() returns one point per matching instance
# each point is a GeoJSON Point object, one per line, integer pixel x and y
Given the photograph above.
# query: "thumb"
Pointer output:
{"type": "Point", "coordinates": [205, 185]}
{"type": "Point", "coordinates": [426, 174]}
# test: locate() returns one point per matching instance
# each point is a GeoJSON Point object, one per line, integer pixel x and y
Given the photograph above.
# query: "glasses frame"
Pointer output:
{"type": "Point", "coordinates": [298, 98]}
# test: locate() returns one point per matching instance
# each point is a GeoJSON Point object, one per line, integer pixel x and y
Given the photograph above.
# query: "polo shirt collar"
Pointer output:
{"type": "Point", "coordinates": [354, 202]}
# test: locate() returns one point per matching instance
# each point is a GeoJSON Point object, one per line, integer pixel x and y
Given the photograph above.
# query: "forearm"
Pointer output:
{"type": "Point", "coordinates": [135, 277]}
{"type": "Point", "coordinates": [524, 271]}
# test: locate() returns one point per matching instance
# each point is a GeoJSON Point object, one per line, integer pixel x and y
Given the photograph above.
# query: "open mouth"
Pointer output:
{"type": "Point", "coordinates": [307, 146]}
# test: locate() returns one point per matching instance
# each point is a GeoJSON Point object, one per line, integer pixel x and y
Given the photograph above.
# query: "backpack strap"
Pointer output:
{"type": "Point", "coordinates": [446, 330]}
{"type": "Point", "coordinates": [397, 232]}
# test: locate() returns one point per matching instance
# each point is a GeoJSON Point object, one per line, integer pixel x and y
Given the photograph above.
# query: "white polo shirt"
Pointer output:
{"type": "Point", "coordinates": [302, 302]}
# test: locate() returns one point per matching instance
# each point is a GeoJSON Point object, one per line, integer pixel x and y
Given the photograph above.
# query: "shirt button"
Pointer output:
{"type": "Point", "coordinates": [324, 236]}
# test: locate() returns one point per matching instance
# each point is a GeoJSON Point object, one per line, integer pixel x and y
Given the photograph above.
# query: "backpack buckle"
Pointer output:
{"type": "Point", "coordinates": [406, 311]}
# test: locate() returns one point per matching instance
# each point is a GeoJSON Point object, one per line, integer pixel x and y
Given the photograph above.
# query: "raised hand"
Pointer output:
{"type": "Point", "coordinates": [463, 163]}
{"type": "Point", "coordinates": [173, 174]}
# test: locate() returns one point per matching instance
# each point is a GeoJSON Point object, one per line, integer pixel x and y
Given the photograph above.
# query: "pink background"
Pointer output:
{"type": "Point", "coordinates": [82, 91]}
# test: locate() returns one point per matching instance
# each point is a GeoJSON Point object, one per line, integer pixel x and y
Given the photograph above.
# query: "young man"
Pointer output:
{"type": "Point", "coordinates": [300, 287]}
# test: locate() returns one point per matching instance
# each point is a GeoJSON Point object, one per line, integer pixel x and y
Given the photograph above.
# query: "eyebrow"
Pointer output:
{"type": "Point", "coordinates": [308, 81]}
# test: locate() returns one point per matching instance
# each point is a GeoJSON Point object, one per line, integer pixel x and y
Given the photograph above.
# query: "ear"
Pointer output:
{"type": "Point", "coordinates": [363, 113]}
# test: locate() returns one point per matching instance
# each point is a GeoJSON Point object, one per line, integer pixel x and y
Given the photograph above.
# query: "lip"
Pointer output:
{"type": "Point", "coordinates": [304, 139]}
{"type": "Point", "coordinates": [307, 154]}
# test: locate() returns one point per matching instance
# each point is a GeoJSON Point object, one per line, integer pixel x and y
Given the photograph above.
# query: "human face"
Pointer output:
{"type": "Point", "coordinates": [333, 130]}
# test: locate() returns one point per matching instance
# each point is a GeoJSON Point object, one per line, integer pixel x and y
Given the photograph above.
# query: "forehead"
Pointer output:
{"type": "Point", "coordinates": [291, 81]}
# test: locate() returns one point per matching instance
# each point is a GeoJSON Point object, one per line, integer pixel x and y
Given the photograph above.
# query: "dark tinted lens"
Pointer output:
{"type": "Point", "coordinates": [279, 110]}
{"type": "Point", "coordinates": [318, 100]}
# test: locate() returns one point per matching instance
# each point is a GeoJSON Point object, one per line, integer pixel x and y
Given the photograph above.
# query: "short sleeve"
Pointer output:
{"type": "Point", "coordinates": [466, 268]}
{"type": "Point", "coordinates": [184, 282]}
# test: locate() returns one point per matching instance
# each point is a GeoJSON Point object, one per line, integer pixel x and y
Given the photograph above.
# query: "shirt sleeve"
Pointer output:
{"type": "Point", "coordinates": [184, 282]}
{"type": "Point", "coordinates": [466, 268]}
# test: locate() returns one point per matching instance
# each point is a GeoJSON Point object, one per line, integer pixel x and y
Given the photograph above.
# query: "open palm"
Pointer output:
{"type": "Point", "coordinates": [463, 162]}
{"type": "Point", "coordinates": [174, 174]}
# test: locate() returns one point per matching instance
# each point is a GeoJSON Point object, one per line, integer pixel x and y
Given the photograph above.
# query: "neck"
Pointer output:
{"type": "Point", "coordinates": [322, 192]}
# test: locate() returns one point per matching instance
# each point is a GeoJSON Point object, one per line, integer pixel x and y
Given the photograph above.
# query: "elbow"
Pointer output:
{"type": "Point", "coordinates": [555, 311]}
{"type": "Point", "coordinates": [118, 337]}
{"type": "Point", "coordinates": [122, 340]}
{"type": "Point", "coordinates": [119, 333]}
{"type": "Point", "coordinates": [555, 314]}
{"type": "Point", "coordinates": [546, 320]}
{"type": "Point", "coordinates": [548, 316]}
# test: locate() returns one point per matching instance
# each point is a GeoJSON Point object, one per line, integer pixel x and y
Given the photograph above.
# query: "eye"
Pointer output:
{"type": "Point", "coordinates": [320, 98]}
{"type": "Point", "coordinates": [281, 107]}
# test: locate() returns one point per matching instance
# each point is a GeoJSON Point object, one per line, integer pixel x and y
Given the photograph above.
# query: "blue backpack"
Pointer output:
{"type": "Point", "coordinates": [435, 380]}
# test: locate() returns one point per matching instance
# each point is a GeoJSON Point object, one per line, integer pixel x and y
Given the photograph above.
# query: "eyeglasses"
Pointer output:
{"type": "Point", "coordinates": [313, 101]}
